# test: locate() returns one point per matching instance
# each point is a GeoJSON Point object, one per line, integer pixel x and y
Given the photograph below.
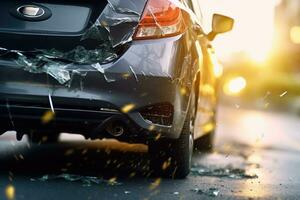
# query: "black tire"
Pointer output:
{"type": "Point", "coordinates": [172, 158]}
{"type": "Point", "coordinates": [205, 143]}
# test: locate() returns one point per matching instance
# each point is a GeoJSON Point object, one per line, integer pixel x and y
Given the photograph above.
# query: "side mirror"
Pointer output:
{"type": "Point", "coordinates": [220, 24]}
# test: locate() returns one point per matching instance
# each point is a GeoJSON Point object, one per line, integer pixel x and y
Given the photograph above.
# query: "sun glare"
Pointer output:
{"type": "Point", "coordinates": [253, 30]}
{"type": "Point", "coordinates": [295, 34]}
{"type": "Point", "coordinates": [235, 86]}
{"type": "Point", "coordinates": [259, 55]}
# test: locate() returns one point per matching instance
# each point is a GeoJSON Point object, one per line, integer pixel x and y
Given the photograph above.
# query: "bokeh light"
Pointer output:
{"type": "Point", "coordinates": [235, 86]}
{"type": "Point", "coordinates": [295, 34]}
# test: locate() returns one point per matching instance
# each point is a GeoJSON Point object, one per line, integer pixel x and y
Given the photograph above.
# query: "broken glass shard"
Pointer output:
{"type": "Point", "coordinates": [85, 180]}
{"type": "Point", "coordinates": [226, 172]}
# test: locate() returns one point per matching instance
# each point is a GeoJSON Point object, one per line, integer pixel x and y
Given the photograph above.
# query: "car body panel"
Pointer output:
{"type": "Point", "coordinates": [149, 72]}
{"type": "Point", "coordinates": [114, 87]}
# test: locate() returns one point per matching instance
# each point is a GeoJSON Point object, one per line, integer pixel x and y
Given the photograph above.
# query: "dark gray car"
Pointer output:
{"type": "Point", "coordinates": [134, 70]}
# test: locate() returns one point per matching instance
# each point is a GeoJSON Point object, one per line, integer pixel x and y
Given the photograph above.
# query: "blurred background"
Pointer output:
{"type": "Point", "coordinates": [261, 55]}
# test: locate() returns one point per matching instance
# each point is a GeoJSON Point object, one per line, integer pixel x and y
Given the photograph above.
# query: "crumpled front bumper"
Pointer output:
{"type": "Point", "coordinates": [145, 75]}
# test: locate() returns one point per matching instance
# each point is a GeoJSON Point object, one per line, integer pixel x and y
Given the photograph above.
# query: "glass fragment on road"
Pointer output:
{"type": "Point", "coordinates": [224, 172]}
{"type": "Point", "coordinates": [86, 181]}
{"type": "Point", "coordinates": [212, 192]}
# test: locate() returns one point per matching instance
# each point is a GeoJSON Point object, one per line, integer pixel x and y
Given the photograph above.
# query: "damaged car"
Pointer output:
{"type": "Point", "coordinates": [134, 70]}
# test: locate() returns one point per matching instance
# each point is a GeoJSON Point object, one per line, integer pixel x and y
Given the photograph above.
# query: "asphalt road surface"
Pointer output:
{"type": "Point", "coordinates": [256, 157]}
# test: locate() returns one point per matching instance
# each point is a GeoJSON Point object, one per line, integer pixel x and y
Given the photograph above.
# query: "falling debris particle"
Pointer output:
{"type": "Point", "coordinates": [283, 94]}
{"type": "Point", "coordinates": [226, 172]}
{"type": "Point", "coordinates": [10, 192]}
{"type": "Point", "coordinates": [127, 108]}
{"type": "Point", "coordinates": [131, 175]}
{"type": "Point", "coordinates": [21, 156]}
{"type": "Point", "coordinates": [69, 152]}
{"type": "Point", "coordinates": [84, 151]}
{"type": "Point", "coordinates": [47, 117]}
{"type": "Point", "coordinates": [183, 91]}
{"type": "Point", "coordinates": [155, 184]}
{"type": "Point", "coordinates": [51, 103]}
{"type": "Point", "coordinates": [44, 138]}
{"type": "Point", "coordinates": [127, 192]}
{"type": "Point", "coordinates": [267, 105]}
{"type": "Point", "coordinates": [157, 137]}
{"type": "Point", "coordinates": [176, 193]}
{"type": "Point", "coordinates": [86, 181]}
{"type": "Point", "coordinates": [151, 127]}
{"type": "Point", "coordinates": [112, 181]}
{"type": "Point", "coordinates": [126, 75]}
{"type": "Point", "coordinates": [166, 164]}
{"type": "Point", "coordinates": [10, 176]}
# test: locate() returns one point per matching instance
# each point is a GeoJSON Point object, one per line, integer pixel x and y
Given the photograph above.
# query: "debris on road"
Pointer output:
{"type": "Point", "coordinates": [212, 192]}
{"type": "Point", "coordinates": [223, 172]}
{"type": "Point", "coordinates": [155, 184]}
{"type": "Point", "coordinates": [87, 181]}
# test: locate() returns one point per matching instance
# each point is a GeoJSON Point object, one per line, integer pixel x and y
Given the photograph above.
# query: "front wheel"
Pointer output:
{"type": "Point", "coordinates": [173, 158]}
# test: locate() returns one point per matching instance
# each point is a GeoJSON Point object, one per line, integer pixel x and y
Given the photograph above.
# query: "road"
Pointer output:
{"type": "Point", "coordinates": [256, 157]}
